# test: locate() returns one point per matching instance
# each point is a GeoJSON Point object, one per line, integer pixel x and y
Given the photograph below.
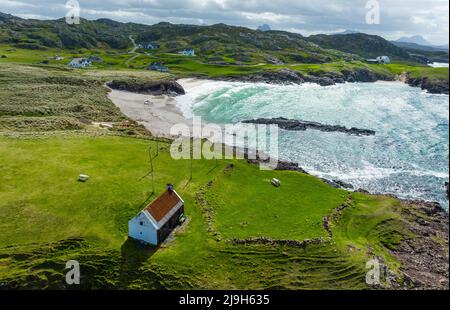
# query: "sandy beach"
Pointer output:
{"type": "Point", "coordinates": [160, 113]}
{"type": "Point", "coordinates": [157, 113]}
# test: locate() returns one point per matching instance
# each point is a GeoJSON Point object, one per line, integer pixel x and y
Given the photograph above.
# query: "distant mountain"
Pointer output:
{"type": "Point", "coordinates": [417, 39]}
{"type": "Point", "coordinates": [362, 44]}
{"type": "Point", "coordinates": [264, 28]}
{"type": "Point", "coordinates": [347, 32]}
{"type": "Point", "coordinates": [418, 47]}
{"type": "Point", "coordinates": [424, 54]}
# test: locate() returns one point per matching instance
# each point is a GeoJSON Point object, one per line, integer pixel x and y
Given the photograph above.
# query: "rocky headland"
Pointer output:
{"type": "Point", "coordinates": [289, 76]}
{"type": "Point", "coordinates": [299, 125]}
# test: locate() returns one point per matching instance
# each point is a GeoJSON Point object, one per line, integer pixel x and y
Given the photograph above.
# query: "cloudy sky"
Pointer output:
{"type": "Point", "coordinates": [429, 18]}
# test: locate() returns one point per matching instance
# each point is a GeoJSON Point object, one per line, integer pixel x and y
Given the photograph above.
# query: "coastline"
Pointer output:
{"type": "Point", "coordinates": [423, 260]}
{"type": "Point", "coordinates": [289, 76]}
{"type": "Point", "coordinates": [159, 113]}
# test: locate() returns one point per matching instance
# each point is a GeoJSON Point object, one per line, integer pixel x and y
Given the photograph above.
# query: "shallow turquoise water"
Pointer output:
{"type": "Point", "coordinates": [408, 156]}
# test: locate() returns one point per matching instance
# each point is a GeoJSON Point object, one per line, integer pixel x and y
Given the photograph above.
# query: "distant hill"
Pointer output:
{"type": "Point", "coordinates": [419, 40]}
{"type": "Point", "coordinates": [264, 27]}
{"type": "Point", "coordinates": [425, 53]}
{"type": "Point", "coordinates": [38, 34]}
{"type": "Point", "coordinates": [362, 44]}
{"type": "Point", "coordinates": [347, 32]}
{"type": "Point", "coordinates": [215, 44]}
{"type": "Point", "coordinates": [414, 46]}
{"type": "Point", "coordinates": [4, 17]}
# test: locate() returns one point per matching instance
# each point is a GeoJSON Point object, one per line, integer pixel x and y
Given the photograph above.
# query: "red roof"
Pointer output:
{"type": "Point", "coordinates": [162, 205]}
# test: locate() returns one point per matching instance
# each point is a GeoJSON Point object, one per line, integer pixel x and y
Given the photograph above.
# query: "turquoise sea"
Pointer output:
{"type": "Point", "coordinates": [407, 157]}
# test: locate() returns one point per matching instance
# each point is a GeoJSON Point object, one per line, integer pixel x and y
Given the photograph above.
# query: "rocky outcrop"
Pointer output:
{"type": "Point", "coordinates": [433, 86]}
{"type": "Point", "coordinates": [424, 257]}
{"type": "Point", "coordinates": [289, 76]}
{"type": "Point", "coordinates": [339, 184]}
{"type": "Point", "coordinates": [165, 87]}
{"type": "Point", "coordinates": [298, 125]}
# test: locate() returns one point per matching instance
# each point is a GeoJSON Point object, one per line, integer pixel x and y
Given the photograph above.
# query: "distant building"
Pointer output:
{"type": "Point", "coordinates": [155, 223]}
{"type": "Point", "coordinates": [157, 66]}
{"type": "Point", "coordinates": [148, 46]}
{"type": "Point", "coordinates": [80, 63]}
{"type": "Point", "coordinates": [380, 60]}
{"type": "Point", "coordinates": [152, 46]}
{"type": "Point", "coordinates": [188, 52]}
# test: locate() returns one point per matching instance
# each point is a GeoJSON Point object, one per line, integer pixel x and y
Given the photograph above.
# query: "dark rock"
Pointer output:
{"type": "Point", "coordinates": [362, 191]}
{"type": "Point", "coordinates": [288, 166]}
{"type": "Point", "coordinates": [168, 87]}
{"type": "Point", "coordinates": [343, 184]}
{"type": "Point", "coordinates": [331, 183]}
{"type": "Point", "coordinates": [298, 125]}
{"type": "Point", "coordinates": [283, 76]}
{"type": "Point", "coordinates": [433, 86]}
{"type": "Point", "coordinates": [322, 81]}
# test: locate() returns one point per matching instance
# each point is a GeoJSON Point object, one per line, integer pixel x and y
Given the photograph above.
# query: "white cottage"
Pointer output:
{"type": "Point", "coordinates": [80, 63]}
{"type": "Point", "coordinates": [380, 60]}
{"type": "Point", "coordinates": [188, 52]}
{"type": "Point", "coordinates": [155, 223]}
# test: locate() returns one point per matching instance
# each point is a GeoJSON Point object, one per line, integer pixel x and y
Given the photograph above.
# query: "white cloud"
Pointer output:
{"type": "Point", "coordinates": [14, 4]}
{"type": "Point", "coordinates": [269, 17]}
{"type": "Point", "coordinates": [35, 16]}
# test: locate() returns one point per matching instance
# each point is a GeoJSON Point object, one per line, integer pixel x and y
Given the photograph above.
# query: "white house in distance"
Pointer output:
{"type": "Point", "coordinates": [380, 60]}
{"type": "Point", "coordinates": [80, 63]}
{"type": "Point", "coordinates": [188, 52]}
{"type": "Point", "coordinates": [155, 223]}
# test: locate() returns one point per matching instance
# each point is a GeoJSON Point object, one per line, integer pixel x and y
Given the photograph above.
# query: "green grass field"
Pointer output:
{"type": "Point", "coordinates": [42, 204]}
{"type": "Point", "coordinates": [246, 204]}
{"type": "Point", "coordinates": [48, 218]}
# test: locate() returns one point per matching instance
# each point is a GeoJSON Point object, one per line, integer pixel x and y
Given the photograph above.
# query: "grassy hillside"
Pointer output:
{"type": "Point", "coordinates": [216, 44]}
{"type": "Point", "coordinates": [242, 232]}
{"type": "Point", "coordinates": [43, 98]}
{"type": "Point", "coordinates": [369, 46]}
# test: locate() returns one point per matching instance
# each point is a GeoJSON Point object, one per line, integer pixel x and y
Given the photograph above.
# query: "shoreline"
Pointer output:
{"type": "Point", "coordinates": [421, 269]}
{"type": "Point", "coordinates": [158, 113]}
{"type": "Point", "coordinates": [289, 76]}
